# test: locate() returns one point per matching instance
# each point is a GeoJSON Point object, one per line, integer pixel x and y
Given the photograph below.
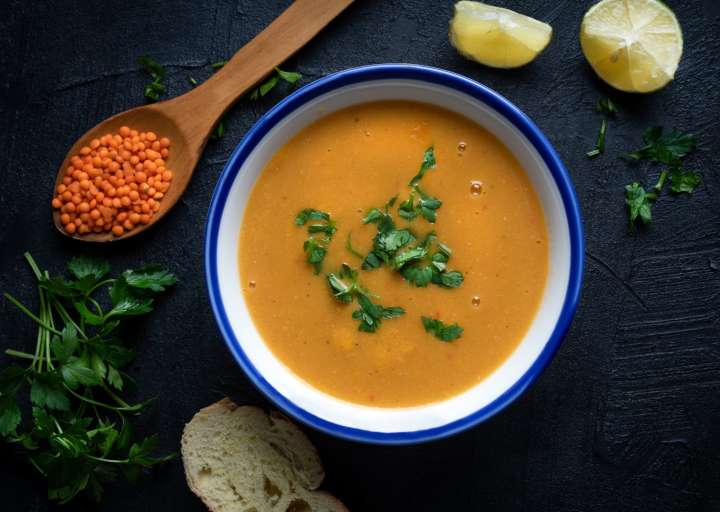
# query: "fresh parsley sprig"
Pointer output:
{"type": "Point", "coordinates": [79, 435]}
{"type": "Point", "coordinates": [156, 88]}
{"type": "Point", "coordinates": [345, 287]}
{"type": "Point", "coordinates": [321, 232]}
{"type": "Point", "coordinates": [440, 330]}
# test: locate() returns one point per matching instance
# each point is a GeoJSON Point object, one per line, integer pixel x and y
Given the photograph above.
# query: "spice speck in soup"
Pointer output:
{"type": "Point", "coordinates": [114, 184]}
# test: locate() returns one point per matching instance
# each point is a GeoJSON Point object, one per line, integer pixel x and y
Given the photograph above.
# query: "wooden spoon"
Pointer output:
{"type": "Point", "coordinates": [189, 119]}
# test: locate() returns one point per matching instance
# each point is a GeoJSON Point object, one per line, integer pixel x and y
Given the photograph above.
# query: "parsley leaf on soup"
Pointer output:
{"type": "Point", "coordinates": [428, 163]}
{"type": "Point", "coordinates": [440, 330]}
{"type": "Point", "coordinates": [345, 287]}
{"type": "Point", "coordinates": [321, 229]}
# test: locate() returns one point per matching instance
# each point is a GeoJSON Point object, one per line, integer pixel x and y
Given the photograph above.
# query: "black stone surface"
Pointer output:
{"type": "Point", "coordinates": [627, 416]}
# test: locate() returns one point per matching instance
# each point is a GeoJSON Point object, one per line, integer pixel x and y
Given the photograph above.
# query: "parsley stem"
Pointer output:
{"type": "Point", "coordinates": [112, 395]}
{"type": "Point", "coordinates": [67, 318]}
{"type": "Point", "coordinates": [25, 310]}
{"type": "Point", "coordinates": [98, 285]}
{"type": "Point", "coordinates": [109, 461]}
{"type": "Point", "coordinates": [350, 248]}
{"type": "Point", "coordinates": [33, 265]}
{"type": "Point", "coordinates": [90, 400]}
{"type": "Point", "coordinates": [21, 355]}
{"type": "Point", "coordinates": [661, 181]}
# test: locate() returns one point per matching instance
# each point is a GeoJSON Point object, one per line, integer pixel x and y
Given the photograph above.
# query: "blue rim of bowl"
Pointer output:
{"type": "Point", "coordinates": [427, 75]}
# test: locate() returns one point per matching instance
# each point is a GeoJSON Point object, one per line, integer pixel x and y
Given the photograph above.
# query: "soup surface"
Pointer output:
{"type": "Point", "coordinates": [356, 159]}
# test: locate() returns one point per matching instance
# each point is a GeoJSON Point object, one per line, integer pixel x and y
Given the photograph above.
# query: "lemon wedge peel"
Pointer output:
{"type": "Point", "coordinates": [633, 45]}
{"type": "Point", "coordinates": [495, 36]}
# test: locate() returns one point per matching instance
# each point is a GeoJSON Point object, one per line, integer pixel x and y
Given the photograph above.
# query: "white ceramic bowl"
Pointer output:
{"type": "Point", "coordinates": [452, 92]}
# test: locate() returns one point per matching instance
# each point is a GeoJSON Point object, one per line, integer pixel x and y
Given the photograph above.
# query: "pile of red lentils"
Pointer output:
{"type": "Point", "coordinates": [114, 184]}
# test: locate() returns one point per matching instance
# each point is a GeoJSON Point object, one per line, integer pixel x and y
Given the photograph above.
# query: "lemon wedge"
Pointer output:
{"type": "Point", "coordinates": [633, 45]}
{"type": "Point", "coordinates": [495, 36]}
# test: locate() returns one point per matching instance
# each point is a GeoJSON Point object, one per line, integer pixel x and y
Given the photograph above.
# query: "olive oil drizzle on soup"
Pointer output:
{"type": "Point", "coordinates": [354, 160]}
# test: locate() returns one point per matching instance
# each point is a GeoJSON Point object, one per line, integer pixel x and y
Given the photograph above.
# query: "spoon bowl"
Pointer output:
{"type": "Point", "coordinates": [188, 120]}
{"type": "Point", "coordinates": [181, 161]}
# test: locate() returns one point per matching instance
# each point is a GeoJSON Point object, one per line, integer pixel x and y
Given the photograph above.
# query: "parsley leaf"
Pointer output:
{"type": "Point", "coordinates": [10, 415]}
{"type": "Point", "coordinates": [640, 202]}
{"type": "Point", "coordinates": [371, 315]}
{"type": "Point", "coordinates": [427, 164]}
{"type": "Point", "coordinates": [430, 266]}
{"type": "Point", "coordinates": [316, 247]}
{"type": "Point", "coordinates": [151, 277]}
{"type": "Point", "coordinates": [440, 330]}
{"type": "Point", "coordinates": [345, 287]}
{"type": "Point", "coordinates": [606, 106]}
{"type": "Point", "coordinates": [291, 77]}
{"type": "Point", "coordinates": [683, 181]}
{"type": "Point", "coordinates": [47, 391]}
{"type": "Point", "coordinates": [154, 89]}
{"type": "Point", "coordinates": [668, 149]}
{"type": "Point", "coordinates": [85, 266]}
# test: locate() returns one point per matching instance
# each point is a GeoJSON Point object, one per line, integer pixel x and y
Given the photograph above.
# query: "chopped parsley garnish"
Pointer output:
{"type": "Point", "coordinates": [345, 287]}
{"type": "Point", "coordinates": [425, 206]}
{"type": "Point", "coordinates": [440, 330]}
{"type": "Point", "coordinates": [604, 106]}
{"type": "Point", "coordinates": [154, 89]}
{"type": "Point", "coordinates": [423, 265]}
{"type": "Point", "coordinates": [321, 230]}
{"type": "Point", "coordinates": [427, 164]}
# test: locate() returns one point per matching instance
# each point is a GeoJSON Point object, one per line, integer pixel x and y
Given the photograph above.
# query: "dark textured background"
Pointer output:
{"type": "Point", "coordinates": [627, 416]}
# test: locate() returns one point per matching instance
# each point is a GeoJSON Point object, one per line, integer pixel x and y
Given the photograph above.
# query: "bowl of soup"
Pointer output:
{"type": "Point", "coordinates": [394, 253]}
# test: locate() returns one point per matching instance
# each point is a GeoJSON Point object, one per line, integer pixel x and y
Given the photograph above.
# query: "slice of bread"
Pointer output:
{"type": "Point", "coordinates": [240, 459]}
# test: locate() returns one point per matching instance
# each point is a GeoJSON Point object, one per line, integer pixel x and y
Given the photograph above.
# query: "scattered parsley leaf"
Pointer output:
{"type": "Point", "coordinates": [427, 164]}
{"type": "Point", "coordinates": [291, 77]}
{"type": "Point", "coordinates": [218, 65]}
{"type": "Point", "coordinates": [683, 181]}
{"type": "Point", "coordinates": [668, 149]}
{"type": "Point", "coordinates": [371, 315]}
{"type": "Point", "coordinates": [154, 89]}
{"type": "Point", "coordinates": [193, 81]}
{"type": "Point", "coordinates": [606, 106]}
{"type": "Point", "coordinates": [440, 330]}
{"type": "Point", "coordinates": [640, 202]}
{"type": "Point", "coordinates": [219, 130]}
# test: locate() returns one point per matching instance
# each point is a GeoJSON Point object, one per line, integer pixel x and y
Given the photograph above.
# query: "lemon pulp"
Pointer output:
{"type": "Point", "coordinates": [633, 45]}
{"type": "Point", "coordinates": [495, 36]}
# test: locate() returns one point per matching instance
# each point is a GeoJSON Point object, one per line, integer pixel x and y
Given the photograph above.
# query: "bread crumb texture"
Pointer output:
{"type": "Point", "coordinates": [240, 459]}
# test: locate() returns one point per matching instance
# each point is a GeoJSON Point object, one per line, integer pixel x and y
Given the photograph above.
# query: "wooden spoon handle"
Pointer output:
{"type": "Point", "coordinates": [300, 22]}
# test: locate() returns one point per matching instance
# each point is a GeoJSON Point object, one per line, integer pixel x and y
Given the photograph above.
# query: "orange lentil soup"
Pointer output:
{"type": "Point", "coordinates": [356, 159]}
